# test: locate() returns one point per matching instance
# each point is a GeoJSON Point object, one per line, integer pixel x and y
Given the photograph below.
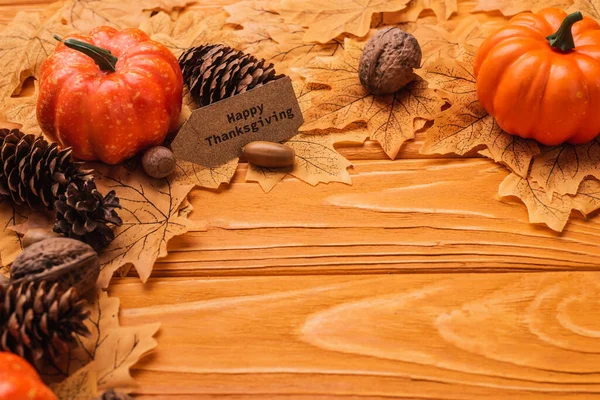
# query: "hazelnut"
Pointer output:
{"type": "Point", "coordinates": [388, 60]}
{"type": "Point", "coordinates": [159, 162]}
{"type": "Point", "coordinates": [69, 262]}
{"type": "Point", "coordinates": [37, 235]}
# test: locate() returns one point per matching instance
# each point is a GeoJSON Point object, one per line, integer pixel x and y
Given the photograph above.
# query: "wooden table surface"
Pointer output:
{"type": "Point", "coordinates": [416, 282]}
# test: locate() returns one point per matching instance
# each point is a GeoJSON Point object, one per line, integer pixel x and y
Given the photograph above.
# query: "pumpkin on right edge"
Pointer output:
{"type": "Point", "coordinates": [539, 77]}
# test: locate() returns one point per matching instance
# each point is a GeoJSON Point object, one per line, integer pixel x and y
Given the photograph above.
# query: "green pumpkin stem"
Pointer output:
{"type": "Point", "coordinates": [563, 38]}
{"type": "Point", "coordinates": [102, 57]}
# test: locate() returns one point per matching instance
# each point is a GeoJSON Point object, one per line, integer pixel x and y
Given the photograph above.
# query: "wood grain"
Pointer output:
{"type": "Point", "coordinates": [434, 336]}
{"type": "Point", "coordinates": [401, 216]}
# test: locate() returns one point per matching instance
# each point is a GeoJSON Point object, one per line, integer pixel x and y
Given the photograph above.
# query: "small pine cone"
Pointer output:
{"type": "Point", "coordinates": [215, 72]}
{"type": "Point", "coordinates": [37, 323]}
{"type": "Point", "coordinates": [82, 213]}
{"type": "Point", "coordinates": [34, 172]}
{"type": "Point", "coordinates": [112, 395]}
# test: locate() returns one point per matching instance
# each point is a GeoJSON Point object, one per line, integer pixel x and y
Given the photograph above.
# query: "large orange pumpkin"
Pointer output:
{"type": "Point", "coordinates": [539, 76]}
{"type": "Point", "coordinates": [109, 95]}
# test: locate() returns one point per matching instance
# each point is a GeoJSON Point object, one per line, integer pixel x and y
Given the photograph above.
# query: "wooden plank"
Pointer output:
{"type": "Point", "coordinates": [407, 215]}
{"type": "Point", "coordinates": [502, 336]}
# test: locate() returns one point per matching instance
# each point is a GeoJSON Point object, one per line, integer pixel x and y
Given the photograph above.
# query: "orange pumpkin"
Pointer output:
{"type": "Point", "coordinates": [109, 95]}
{"type": "Point", "coordinates": [18, 380]}
{"type": "Point", "coordinates": [539, 76]}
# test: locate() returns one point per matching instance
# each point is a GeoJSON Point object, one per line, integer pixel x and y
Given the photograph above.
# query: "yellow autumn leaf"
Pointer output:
{"type": "Point", "coordinates": [24, 45]}
{"type": "Point", "coordinates": [84, 15]}
{"type": "Point", "coordinates": [187, 173]}
{"type": "Point", "coordinates": [443, 10]}
{"type": "Point", "coordinates": [561, 169]}
{"type": "Point", "coordinates": [191, 28]}
{"type": "Point", "coordinates": [553, 211]}
{"type": "Point", "coordinates": [103, 359]}
{"type": "Point", "coordinates": [389, 119]}
{"type": "Point", "coordinates": [588, 7]}
{"type": "Point", "coordinates": [150, 213]}
{"type": "Point", "coordinates": [22, 110]}
{"type": "Point", "coordinates": [466, 126]}
{"type": "Point", "coordinates": [317, 161]}
{"type": "Point", "coordinates": [326, 20]}
{"type": "Point", "coordinates": [512, 7]}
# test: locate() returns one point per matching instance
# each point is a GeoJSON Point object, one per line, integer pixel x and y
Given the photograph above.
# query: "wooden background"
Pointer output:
{"type": "Point", "coordinates": [417, 282]}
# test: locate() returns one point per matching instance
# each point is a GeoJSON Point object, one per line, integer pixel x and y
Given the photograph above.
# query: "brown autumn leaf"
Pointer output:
{"type": "Point", "coordinates": [553, 211]}
{"type": "Point", "coordinates": [22, 110]}
{"type": "Point", "coordinates": [466, 126]}
{"type": "Point", "coordinates": [326, 20]}
{"type": "Point", "coordinates": [589, 7]}
{"type": "Point", "coordinates": [317, 161]}
{"type": "Point", "coordinates": [512, 7]}
{"type": "Point", "coordinates": [389, 119]}
{"type": "Point", "coordinates": [107, 354]}
{"type": "Point", "coordinates": [561, 169]}
{"type": "Point", "coordinates": [150, 216]}
{"type": "Point", "coordinates": [84, 15]}
{"type": "Point", "coordinates": [188, 173]}
{"type": "Point", "coordinates": [24, 45]}
{"type": "Point", "coordinates": [191, 28]}
{"type": "Point", "coordinates": [443, 10]}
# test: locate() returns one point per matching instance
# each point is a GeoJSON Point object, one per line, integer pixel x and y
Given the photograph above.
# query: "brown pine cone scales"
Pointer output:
{"type": "Point", "coordinates": [215, 72]}
{"type": "Point", "coordinates": [34, 172]}
{"type": "Point", "coordinates": [112, 395]}
{"type": "Point", "coordinates": [82, 213]}
{"type": "Point", "coordinates": [38, 322]}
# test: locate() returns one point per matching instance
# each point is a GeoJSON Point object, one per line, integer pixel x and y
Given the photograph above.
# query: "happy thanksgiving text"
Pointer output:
{"type": "Point", "coordinates": [250, 120]}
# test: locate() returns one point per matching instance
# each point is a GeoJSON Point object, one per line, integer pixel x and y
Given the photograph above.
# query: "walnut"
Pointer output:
{"type": "Point", "coordinates": [388, 61]}
{"type": "Point", "coordinates": [69, 262]}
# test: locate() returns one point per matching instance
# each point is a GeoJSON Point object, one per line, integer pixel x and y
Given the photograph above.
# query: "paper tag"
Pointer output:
{"type": "Point", "coordinates": [217, 133]}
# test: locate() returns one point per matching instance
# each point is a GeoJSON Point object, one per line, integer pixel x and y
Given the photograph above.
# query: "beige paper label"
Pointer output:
{"type": "Point", "coordinates": [217, 133]}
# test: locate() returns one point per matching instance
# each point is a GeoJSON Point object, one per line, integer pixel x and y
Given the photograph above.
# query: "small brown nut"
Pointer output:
{"type": "Point", "coordinates": [37, 235]}
{"type": "Point", "coordinates": [159, 162]}
{"type": "Point", "coordinates": [269, 154]}
{"type": "Point", "coordinates": [388, 59]}
{"type": "Point", "coordinates": [69, 262]}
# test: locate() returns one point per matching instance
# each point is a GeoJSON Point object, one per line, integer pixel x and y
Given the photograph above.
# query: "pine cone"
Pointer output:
{"type": "Point", "coordinates": [32, 171]}
{"type": "Point", "coordinates": [112, 395]}
{"type": "Point", "coordinates": [39, 324]}
{"type": "Point", "coordinates": [82, 213]}
{"type": "Point", "coordinates": [215, 72]}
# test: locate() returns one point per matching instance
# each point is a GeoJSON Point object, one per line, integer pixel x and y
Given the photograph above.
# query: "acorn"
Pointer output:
{"type": "Point", "coordinates": [159, 162]}
{"type": "Point", "coordinates": [269, 154]}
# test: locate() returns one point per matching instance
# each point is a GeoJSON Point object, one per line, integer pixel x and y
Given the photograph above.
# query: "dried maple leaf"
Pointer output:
{"type": "Point", "coordinates": [10, 242]}
{"type": "Point", "coordinates": [253, 12]}
{"type": "Point", "coordinates": [589, 7]}
{"type": "Point", "coordinates": [328, 19]}
{"type": "Point", "coordinates": [466, 126]}
{"type": "Point", "coordinates": [561, 169]}
{"type": "Point", "coordinates": [317, 161]}
{"type": "Point", "coordinates": [512, 7]}
{"type": "Point", "coordinates": [107, 354]}
{"type": "Point", "coordinates": [22, 110]}
{"type": "Point", "coordinates": [82, 385]}
{"type": "Point", "coordinates": [188, 173]}
{"type": "Point", "coordinates": [443, 9]}
{"type": "Point", "coordinates": [150, 219]}
{"type": "Point", "coordinates": [190, 29]}
{"type": "Point", "coordinates": [24, 45]}
{"type": "Point", "coordinates": [85, 15]}
{"type": "Point", "coordinates": [554, 211]}
{"type": "Point", "coordinates": [389, 118]}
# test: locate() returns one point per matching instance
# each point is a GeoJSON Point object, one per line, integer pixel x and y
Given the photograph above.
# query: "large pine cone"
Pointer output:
{"type": "Point", "coordinates": [37, 323]}
{"type": "Point", "coordinates": [32, 171]}
{"type": "Point", "coordinates": [82, 213]}
{"type": "Point", "coordinates": [215, 72]}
